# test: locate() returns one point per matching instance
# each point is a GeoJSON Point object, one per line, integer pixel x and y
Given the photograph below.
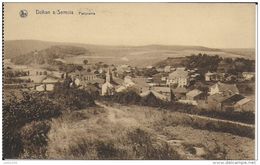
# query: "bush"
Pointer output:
{"type": "Point", "coordinates": [109, 151]}
{"type": "Point", "coordinates": [127, 97]}
{"type": "Point", "coordinates": [72, 98]}
{"type": "Point", "coordinates": [151, 100]}
{"type": "Point", "coordinates": [12, 144]}
{"type": "Point", "coordinates": [145, 147]}
{"type": "Point", "coordinates": [96, 149]}
{"type": "Point", "coordinates": [34, 139]}
{"type": "Point", "coordinates": [18, 112]}
{"type": "Point", "coordinates": [245, 117]}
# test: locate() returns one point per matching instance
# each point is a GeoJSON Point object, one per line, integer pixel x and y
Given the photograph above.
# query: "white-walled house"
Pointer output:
{"type": "Point", "coordinates": [223, 89]}
{"type": "Point", "coordinates": [180, 77]}
{"type": "Point", "coordinates": [248, 75]}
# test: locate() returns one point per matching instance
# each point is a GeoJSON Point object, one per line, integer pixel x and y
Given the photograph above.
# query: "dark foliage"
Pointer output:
{"type": "Point", "coordinates": [151, 100]}
{"type": "Point", "coordinates": [245, 117]}
{"type": "Point", "coordinates": [68, 68]}
{"type": "Point", "coordinates": [70, 97]}
{"type": "Point", "coordinates": [203, 62]}
{"type": "Point", "coordinates": [16, 113]}
{"type": "Point", "coordinates": [15, 73]}
{"type": "Point", "coordinates": [144, 147]}
{"type": "Point", "coordinates": [127, 97]}
{"type": "Point", "coordinates": [108, 151]}
{"type": "Point", "coordinates": [16, 80]}
{"type": "Point", "coordinates": [34, 139]}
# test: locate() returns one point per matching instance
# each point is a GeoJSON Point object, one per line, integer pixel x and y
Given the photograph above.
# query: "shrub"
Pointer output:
{"type": "Point", "coordinates": [34, 139]}
{"type": "Point", "coordinates": [18, 112]}
{"type": "Point", "coordinates": [127, 97]}
{"type": "Point", "coordinates": [81, 149]}
{"type": "Point", "coordinates": [151, 100]}
{"type": "Point", "coordinates": [72, 98]}
{"type": "Point", "coordinates": [145, 147]}
{"type": "Point", "coordinates": [12, 145]}
{"type": "Point", "coordinates": [108, 151]}
{"type": "Point", "coordinates": [96, 149]}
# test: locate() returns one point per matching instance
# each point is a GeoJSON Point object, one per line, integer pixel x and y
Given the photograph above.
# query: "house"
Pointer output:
{"type": "Point", "coordinates": [229, 103]}
{"type": "Point", "coordinates": [85, 75]}
{"type": "Point", "coordinates": [167, 69]}
{"type": "Point", "coordinates": [92, 89]}
{"type": "Point", "coordinates": [166, 91]}
{"type": "Point", "coordinates": [107, 88]}
{"type": "Point", "coordinates": [83, 78]}
{"type": "Point", "coordinates": [179, 93]}
{"type": "Point", "coordinates": [221, 88]}
{"type": "Point", "coordinates": [160, 70]}
{"type": "Point", "coordinates": [209, 76]}
{"type": "Point", "coordinates": [123, 70]}
{"type": "Point", "coordinates": [149, 80]}
{"type": "Point", "coordinates": [44, 87]}
{"type": "Point", "coordinates": [117, 81]}
{"type": "Point", "coordinates": [50, 80]}
{"type": "Point", "coordinates": [83, 84]}
{"type": "Point", "coordinates": [156, 94]}
{"type": "Point", "coordinates": [231, 78]}
{"type": "Point", "coordinates": [159, 79]}
{"type": "Point", "coordinates": [245, 105]}
{"type": "Point", "coordinates": [100, 70]}
{"type": "Point", "coordinates": [149, 67]}
{"type": "Point", "coordinates": [128, 83]}
{"type": "Point", "coordinates": [195, 75]}
{"type": "Point", "coordinates": [180, 78]}
{"type": "Point", "coordinates": [213, 76]}
{"type": "Point", "coordinates": [248, 75]}
{"type": "Point", "coordinates": [60, 60]}
{"type": "Point", "coordinates": [223, 102]}
{"type": "Point", "coordinates": [195, 94]}
{"type": "Point", "coordinates": [38, 79]}
{"type": "Point", "coordinates": [214, 101]}
{"type": "Point", "coordinates": [141, 84]}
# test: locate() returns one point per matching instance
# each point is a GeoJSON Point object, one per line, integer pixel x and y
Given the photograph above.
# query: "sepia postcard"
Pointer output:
{"type": "Point", "coordinates": [129, 81]}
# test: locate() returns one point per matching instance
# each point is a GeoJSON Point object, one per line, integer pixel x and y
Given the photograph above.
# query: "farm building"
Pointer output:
{"type": "Point", "coordinates": [156, 94]}
{"type": "Point", "coordinates": [166, 91]}
{"type": "Point", "coordinates": [221, 88]}
{"type": "Point", "coordinates": [223, 102]}
{"type": "Point", "coordinates": [195, 94]}
{"type": "Point", "coordinates": [179, 93]}
{"type": "Point", "coordinates": [245, 104]}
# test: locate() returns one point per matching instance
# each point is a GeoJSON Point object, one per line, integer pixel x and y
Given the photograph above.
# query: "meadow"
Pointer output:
{"type": "Point", "coordinates": [114, 131]}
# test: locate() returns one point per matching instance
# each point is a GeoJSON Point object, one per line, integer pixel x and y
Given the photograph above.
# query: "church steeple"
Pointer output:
{"type": "Point", "coordinates": [109, 76]}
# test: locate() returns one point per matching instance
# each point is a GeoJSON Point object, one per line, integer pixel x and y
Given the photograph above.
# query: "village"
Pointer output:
{"type": "Point", "coordinates": [129, 81]}
{"type": "Point", "coordinates": [213, 90]}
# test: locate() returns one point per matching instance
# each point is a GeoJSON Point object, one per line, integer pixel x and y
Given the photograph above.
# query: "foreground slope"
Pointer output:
{"type": "Point", "coordinates": [113, 131]}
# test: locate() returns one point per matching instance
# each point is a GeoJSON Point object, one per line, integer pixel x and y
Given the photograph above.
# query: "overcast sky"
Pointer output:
{"type": "Point", "coordinates": [212, 25]}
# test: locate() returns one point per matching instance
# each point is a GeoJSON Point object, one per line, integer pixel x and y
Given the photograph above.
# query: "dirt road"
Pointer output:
{"type": "Point", "coordinates": [119, 116]}
{"type": "Point", "coordinates": [115, 111]}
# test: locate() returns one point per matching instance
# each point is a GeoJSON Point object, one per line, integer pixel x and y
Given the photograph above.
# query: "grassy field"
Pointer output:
{"type": "Point", "coordinates": [136, 132]}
